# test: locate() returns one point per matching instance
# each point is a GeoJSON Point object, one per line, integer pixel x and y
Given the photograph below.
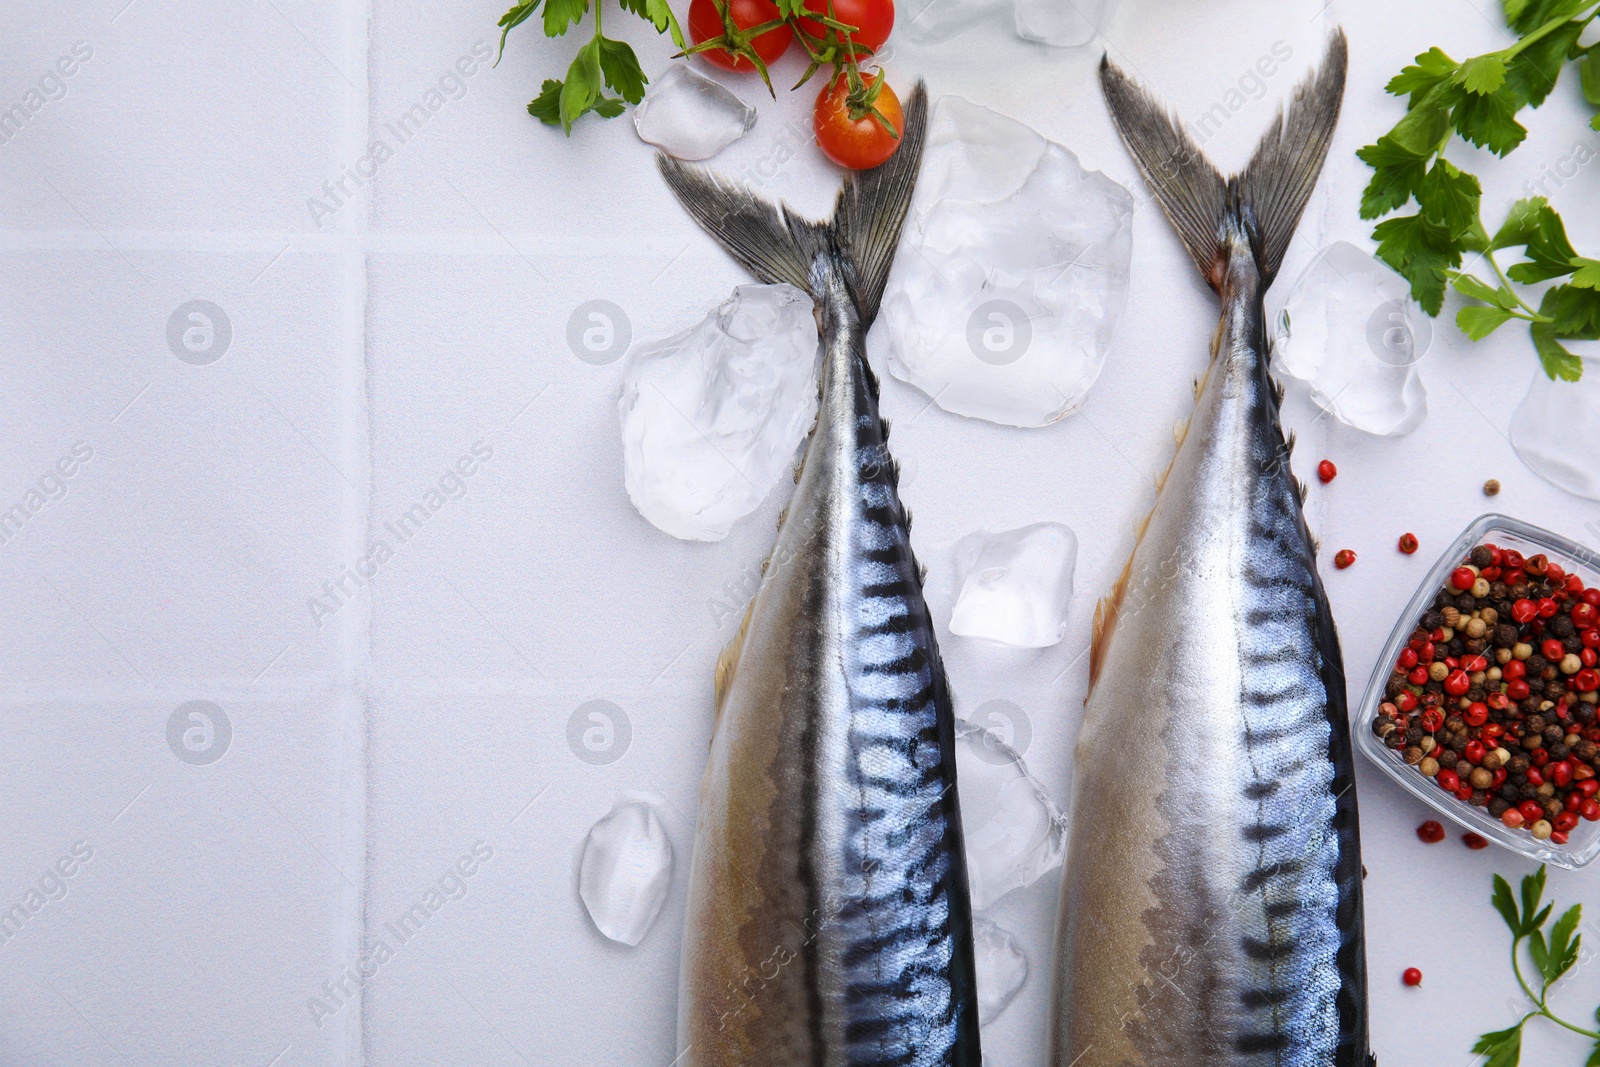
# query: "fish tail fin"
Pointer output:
{"type": "Point", "coordinates": [1266, 201]}
{"type": "Point", "coordinates": [777, 245]}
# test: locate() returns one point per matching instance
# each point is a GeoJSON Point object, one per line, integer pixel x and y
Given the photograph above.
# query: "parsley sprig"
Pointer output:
{"type": "Point", "coordinates": [1478, 100]}
{"type": "Point", "coordinates": [1553, 954]}
{"type": "Point", "coordinates": [600, 63]}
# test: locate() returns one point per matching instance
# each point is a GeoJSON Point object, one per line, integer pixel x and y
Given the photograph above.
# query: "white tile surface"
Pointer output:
{"type": "Point", "coordinates": [375, 344]}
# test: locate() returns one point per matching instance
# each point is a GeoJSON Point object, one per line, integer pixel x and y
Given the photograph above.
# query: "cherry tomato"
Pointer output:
{"type": "Point", "coordinates": [705, 22]}
{"type": "Point", "coordinates": [857, 144]}
{"type": "Point", "coordinates": [873, 19]}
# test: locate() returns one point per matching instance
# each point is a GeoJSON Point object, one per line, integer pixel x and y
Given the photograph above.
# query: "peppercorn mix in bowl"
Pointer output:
{"type": "Point", "coordinates": [1484, 700]}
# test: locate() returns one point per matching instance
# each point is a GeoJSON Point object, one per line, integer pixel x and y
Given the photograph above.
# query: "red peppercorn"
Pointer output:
{"type": "Point", "coordinates": [1477, 714]}
{"type": "Point", "coordinates": [1491, 730]}
{"type": "Point", "coordinates": [1512, 817]}
{"type": "Point", "coordinates": [1592, 597]}
{"type": "Point", "coordinates": [1588, 657]}
{"type": "Point", "coordinates": [1531, 811]}
{"type": "Point", "coordinates": [1559, 837]}
{"type": "Point", "coordinates": [1586, 680]}
{"type": "Point", "coordinates": [1555, 573]}
{"type": "Point", "coordinates": [1535, 776]}
{"type": "Point", "coordinates": [1463, 577]}
{"type": "Point", "coordinates": [1553, 650]}
{"type": "Point", "coordinates": [1343, 558]}
{"type": "Point", "coordinates": [1473, 752]}
{"type": "Point", "coordinates": [1513, 670]}
{"type": "Point", "coordinates": [1408, 543]}
{"type": "Point", "coordinates": [1427, 652]}
{"type": "Point", "coordinates": [1524, 610]}
{"type": "Point", "coordinates": [1474, 841]}
{"type": "Point", "coordinates": [1589, 786]}
{"type": "Point", "coordinates": [1574, 801]}
{"type": "Point", "coordinates": [1432, 720]}
{"type": "Point", "coordinates": [1326, 471]}
{"type": "Point", "coordinates": [1565, 821]}
{"type": "Point", "coordinates": [1560, 772]}
{"type": "Point", "coordinates": [1457, 682]}
{"type": "Point", "coordinates": [1583, 615]}
{"type": "Point", "coordinates": [1411, 976]}
{"type": "Point", "coordinates": [1418, 676]}
{"type": "Point", "coordinates": [1590, 810]}
{"type": "Point", "coordinates": [1408, 659]}
{"type": "Point", "coordinates": [1464, 791]}
{"type": "Point", "coordinates": [1517, 689]}
{"type": "Point", "coordinates": [1406, 701]}
{"type": "Point", "coordinates": [1474, 663]}
{"type": "Point", "coordinates": [1547, 608]}
{"type": "Point", "coordinates": [1448, 780]}
{"type": "Point", "coordinates": [1512, 558]}
{"type": "Point", "coordinates": [1431, 832]}
{"type": "Point", "coordinates": [1590, 638]}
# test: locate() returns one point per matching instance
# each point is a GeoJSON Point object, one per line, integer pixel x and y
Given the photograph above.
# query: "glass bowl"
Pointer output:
{"type": "Point", "coordinates": [1583, 842]}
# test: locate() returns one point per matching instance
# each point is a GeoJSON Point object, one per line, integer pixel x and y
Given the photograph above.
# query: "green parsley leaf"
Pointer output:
{"type": "Point", "coordinates": [1575, 312]}
{"type": "Point", "coordinates": [1521, 223]}
{"type": "Point", "coordinates": [582, 88]}
{"type": "Point", "coordinates": [1558, 362]}
{"type": "Point", "coordinates": [1588, 276]}
{"type": "Point", "coordinates": [1422, 252]}
{"type": "Point", "coordinates": [1594, 1057]}
{"type": "Point", "coordinates": [1480, 75]}
{"type": "Point", "coordinates": [1486, 121]}
{"type": "Point", "coordinates": [547, 106]}
{"type": "Point", "coordinates": [1504, 904]}
{"type": "Point", "coordinates": [1532, 891]}
{"type": "Point", "coordinates": [1533, 71]}
{"type": "Point", "coordinates": [1450, 197]}
{"type": "Point", "coordinates": [1478, 322]}
{"type": "Point", "coordinates": [1397, 173]}
{"type": "Point", "coordinates": [1589, 74]}
{"type": "Point", "coordinates": [1550, 254]}
{"type": "Point", "coordinates": [560, 15]}
{"type": "Point", "coordinates": [621, 68]}
{"type": "Point", "coordinates": [1477, 289]}
{"type": "Point", "coordinates": [1563, 944]}
{"type": "Point", "coordinates": [515, 17]}
{"type": "Point", "coordinates": [609, 107]}
{"type": "Point", "coordinates": [1503, 1047]}
{"type": "Point", "coordinates": [1425, 127]}
{"type": "Point", "coordinates": [1525, 16]}
{"type": "Point", "coordinates": [1431, 68]}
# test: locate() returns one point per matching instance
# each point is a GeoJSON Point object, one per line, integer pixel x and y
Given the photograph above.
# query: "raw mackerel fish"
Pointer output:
{"type": "Point", "coordinates": [1211, 902]}
{"type": "Point", "coordinates": [828, 918]}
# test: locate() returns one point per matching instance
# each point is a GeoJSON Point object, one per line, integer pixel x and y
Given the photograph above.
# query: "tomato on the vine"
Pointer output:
{"type": "Point", "coordinates": [873, 20]}
{"type": "Point", "coordinates": [856, 143]}
{"type": "Point", "coordinates": [705, 23]}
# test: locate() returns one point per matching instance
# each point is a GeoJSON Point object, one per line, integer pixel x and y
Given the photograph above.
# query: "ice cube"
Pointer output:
{"type": "Point", "coordinates": [1062, 23]}
{"type": "Point", "coordinates": [711, 418]}
{"type": "Point", "coordinates": [626, 871]}
{"type": "Point", "coordinates": [1002, 968]}
{"type": "Point", "coordinates": [1011, 273]}
{"type": "Point", "coordinates": [1556, 429]}
{"type": "Point", "coordinates": [687, 115]}
{"type": "Point", "coordinates": [1351, 332]}
{"type": "Point", "coordinates": [1015, 585]}
{"type": "Point", "coordinates": [1014, 831]}
{"type": "Point", "coordinates": [936, 21]}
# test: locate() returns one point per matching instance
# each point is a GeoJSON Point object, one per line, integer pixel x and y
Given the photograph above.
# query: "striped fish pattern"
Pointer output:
{"type": "Point", "coordinates": [828, 919]}
{"type": "Point", "coordinates": [1211, 905]}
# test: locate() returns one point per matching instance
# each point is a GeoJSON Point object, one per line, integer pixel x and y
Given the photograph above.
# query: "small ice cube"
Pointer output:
{"type": "Point", "coordinates": [1015, 585]}
{"type": "Point", "coordinates": [687, 115]}
{"type": "Point", "coordinates": [1002, 968]}
{"type": "Point", "coordinates": [1011, 274]}
{"type": "Point", "coordinates": [1350, 330]}
{"type": "Point", "coordinates": [1062, 23]}
{"type": "Point", "coordinates": [1556, 429]}
{"type": "Point", "coordinates": [1014, 831]}
{"type": "Point", "coordinates": [711, 418]}
{"type": "Point", "coordinates": [937, 21]}
{"type": "Point", "coordinates": [625, 871]}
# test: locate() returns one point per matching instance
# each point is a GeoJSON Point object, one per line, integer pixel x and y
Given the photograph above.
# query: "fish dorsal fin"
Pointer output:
{"type": "Point", "coordinates": [728, 661]}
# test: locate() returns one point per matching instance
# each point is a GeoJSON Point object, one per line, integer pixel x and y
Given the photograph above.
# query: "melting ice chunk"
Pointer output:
{"type": "Point", "coordinates": [1014, 831]}
{"type": "Point", "coordinates": [625, 871]}
{"type": "Point", "coordinates": [1352, 333]}
{"type": "Point", "coordinates": [1556, 430]}
{"type": "Point", "coordinates": [1002, 968]}
{"type": "Point", "coordinates": [689, 116]}
{"type": "Point", "coordinates": [1015, 586]}
{"type": "Point", "coordinates": [712, 417]}
{"type": "Point", "coordinates": [1011, 273]}
{"type": "Point", "coordinates": [1063, 23]}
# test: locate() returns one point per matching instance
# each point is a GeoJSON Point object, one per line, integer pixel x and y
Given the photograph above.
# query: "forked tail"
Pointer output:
{"type": "Point", "coordinates": [1266, 200]}
{"type": "Point", "coordinates": [778, 246]}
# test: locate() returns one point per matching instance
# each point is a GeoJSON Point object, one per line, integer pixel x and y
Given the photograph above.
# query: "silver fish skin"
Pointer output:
{"type": "Point", "coordinates": [1211, 910]}
{"type": "Point", "coordinates": [828, 920]}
